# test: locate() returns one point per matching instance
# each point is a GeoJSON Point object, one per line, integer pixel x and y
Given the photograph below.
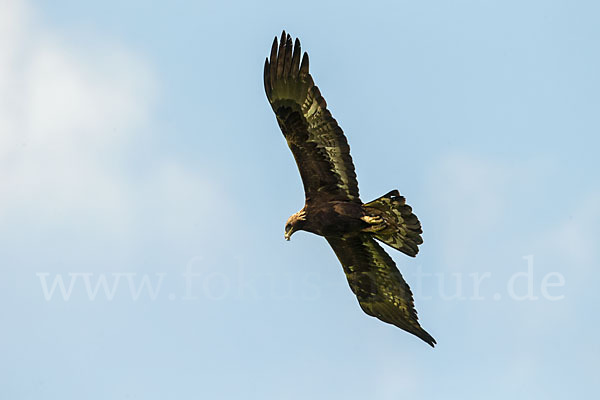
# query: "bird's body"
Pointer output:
{"type": "Point", "coordinates": [334, 218]}
{"type": "Point", "coordinates": [333, 208]}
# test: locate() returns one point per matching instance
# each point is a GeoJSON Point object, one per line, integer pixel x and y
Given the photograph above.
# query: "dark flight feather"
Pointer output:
{"type": "Point", "coordinates": [377, 283]}
{"type": "Point", "coordinates": [313, 135]}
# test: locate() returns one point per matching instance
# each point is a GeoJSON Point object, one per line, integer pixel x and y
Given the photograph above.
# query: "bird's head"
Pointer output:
{"type": "Point", "coordinates": [294, 223]}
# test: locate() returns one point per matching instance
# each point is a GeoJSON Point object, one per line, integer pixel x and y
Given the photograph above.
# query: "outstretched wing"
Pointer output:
{"type": "Point", "coordinates": [377, 283]}
{"type": "Point", "coordinates": [317, 142]}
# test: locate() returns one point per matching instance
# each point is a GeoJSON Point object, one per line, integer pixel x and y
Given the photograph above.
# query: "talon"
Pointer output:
{"type": "Point", "coordinates": [376, 223]}
{"type": "Point", "coordinates": [372, 220]}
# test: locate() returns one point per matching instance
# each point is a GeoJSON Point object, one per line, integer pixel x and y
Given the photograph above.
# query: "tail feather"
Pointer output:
{"type": "Point", "coordinates": [401, 228]}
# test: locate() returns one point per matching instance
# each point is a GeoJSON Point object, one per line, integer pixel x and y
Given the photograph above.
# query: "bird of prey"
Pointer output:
{"type": "Point", "coordinates": [333, 208]}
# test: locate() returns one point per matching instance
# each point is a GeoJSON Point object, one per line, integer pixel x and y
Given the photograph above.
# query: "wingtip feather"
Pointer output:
{"type": "Point", "coordinates": [287, 56]}
{"type": "Point", "coordinates": [295, 63]}
{"type": "Point", "coordinates": [427, 338]}
{"type": "Point", "coordinates": [266, 77]}
{"type": "Point", "coordinates": [304, 65]}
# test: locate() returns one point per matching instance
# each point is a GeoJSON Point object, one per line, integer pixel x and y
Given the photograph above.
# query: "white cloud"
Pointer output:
{"type": "Point", "coordinates": [398, 380]}
{"type": "Point", "coordinates": [468, 196]}
{"type": "Point", "coordinates": [69, 118]}
{"type": "Point", "coordinates": [574, 237]}
{"type": "Point", "coordinates": [484, 207]}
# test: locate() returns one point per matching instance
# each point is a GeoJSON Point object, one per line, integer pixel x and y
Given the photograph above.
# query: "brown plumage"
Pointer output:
{"type": "Point", "coordinates": [333, 208]}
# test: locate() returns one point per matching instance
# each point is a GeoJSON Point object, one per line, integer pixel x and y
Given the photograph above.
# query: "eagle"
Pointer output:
{"type": "Point", "coordinates": [333, 208]}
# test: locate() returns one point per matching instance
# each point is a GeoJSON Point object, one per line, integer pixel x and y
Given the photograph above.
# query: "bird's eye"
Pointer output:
{"type": "Point", "coordinates": [288, 227]}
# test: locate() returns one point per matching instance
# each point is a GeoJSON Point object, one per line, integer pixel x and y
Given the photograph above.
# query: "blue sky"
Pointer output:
{"type": "Point", "coordinates": [138, 150]}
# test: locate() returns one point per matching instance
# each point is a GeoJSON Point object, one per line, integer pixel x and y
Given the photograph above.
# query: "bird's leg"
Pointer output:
{"type": "Point", "coordinates": [376, 223]}
{"type": "Point", "coordinates": [372, 220]}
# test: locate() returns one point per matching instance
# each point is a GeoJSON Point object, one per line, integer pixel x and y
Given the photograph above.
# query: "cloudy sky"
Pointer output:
{"type": "Point", "coordinates": [144, 187]}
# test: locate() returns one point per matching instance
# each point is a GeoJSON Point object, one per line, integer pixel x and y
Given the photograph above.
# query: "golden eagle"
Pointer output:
{"type": "Point", "coordinates": [333, 208]}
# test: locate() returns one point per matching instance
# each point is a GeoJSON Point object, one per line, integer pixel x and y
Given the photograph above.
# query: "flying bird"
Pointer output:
{"type": "Point", "coordinates": [333, 208]}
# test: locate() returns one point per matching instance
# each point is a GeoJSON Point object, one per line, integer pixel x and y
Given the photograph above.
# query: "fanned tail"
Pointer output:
{"type": "Point", "coordinates": [393, 222]}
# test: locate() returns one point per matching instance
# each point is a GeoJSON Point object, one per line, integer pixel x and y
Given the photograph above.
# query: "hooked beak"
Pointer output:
{"type": "Point", "coordinates": [288, 234]}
